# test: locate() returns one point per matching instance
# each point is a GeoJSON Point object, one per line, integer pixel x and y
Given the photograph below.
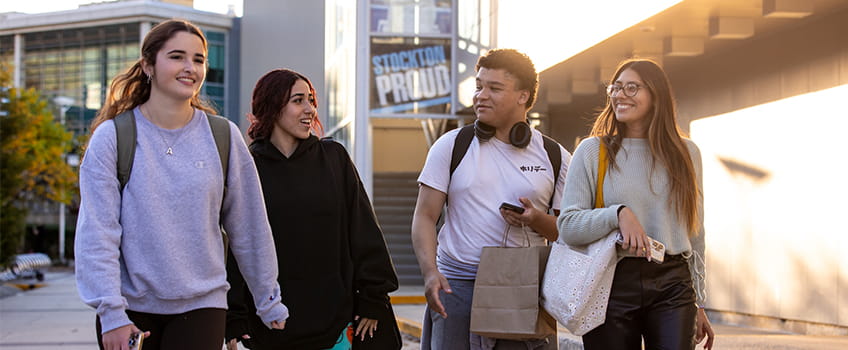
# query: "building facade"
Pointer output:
{"type": "Point", "coordinates": [71, 56]}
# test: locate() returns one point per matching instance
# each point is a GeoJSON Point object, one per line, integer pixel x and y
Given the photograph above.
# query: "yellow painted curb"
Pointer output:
{"type": "Point", "coordinates": [409, 327]}
{"type": "Point", "coordinates": [28, 286]}
{"type": "Point", "coordinates": [407, 299]}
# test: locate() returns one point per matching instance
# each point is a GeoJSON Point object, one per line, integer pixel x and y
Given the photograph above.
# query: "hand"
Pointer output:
{"type": "Point", "coordinates": [365, 324]}
{"type": "Point", "coordinates": [119, 338]}
{"type": "Point", "coordinates": [233, 343]}
{"type": "Point", "coordinates": [635, 238]}
{"type": "Point", "coordinates": [433, 283]}
{"type": "Point", "coordinates": [703, 328]}
{"type": "Point", "coordinates": [278, 324]}
{"type": "Point", "coordinates": [524, 219]}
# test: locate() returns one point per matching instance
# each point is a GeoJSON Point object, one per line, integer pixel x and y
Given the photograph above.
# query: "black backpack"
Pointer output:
{"type": "Point", "coordinates": [466, 134]}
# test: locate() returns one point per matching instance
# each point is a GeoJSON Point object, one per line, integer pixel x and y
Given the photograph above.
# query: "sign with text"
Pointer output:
{"type": "Point", "coordinates": [410, 78]}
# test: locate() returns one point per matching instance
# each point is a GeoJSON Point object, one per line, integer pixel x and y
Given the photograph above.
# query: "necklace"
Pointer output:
{"type": "Point", "coordinates": [169, 151]}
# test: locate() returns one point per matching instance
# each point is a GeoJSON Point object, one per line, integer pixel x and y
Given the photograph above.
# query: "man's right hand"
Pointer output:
{"type": "Point", "coordinates": [434, 283]}
{"type": "Point", "coordinates": [119, 338]}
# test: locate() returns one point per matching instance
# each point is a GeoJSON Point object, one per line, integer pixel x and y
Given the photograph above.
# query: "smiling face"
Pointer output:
{"type": "Point", "coordinates": [298, 113]}
{"type": "Point", "coordinates": [497, 99]}
{"type": "Point", "coordinates": [180, 67]}
{"type": "Point", "coordinates": [633, 111]}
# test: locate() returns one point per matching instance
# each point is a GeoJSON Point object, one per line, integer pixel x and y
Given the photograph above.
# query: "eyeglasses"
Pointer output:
{"type": "Point", "coordinates": [630, 89]}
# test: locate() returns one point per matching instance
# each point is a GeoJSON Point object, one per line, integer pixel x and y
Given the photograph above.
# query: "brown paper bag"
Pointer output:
{"type": "Point", "coordinates": [506, 294]}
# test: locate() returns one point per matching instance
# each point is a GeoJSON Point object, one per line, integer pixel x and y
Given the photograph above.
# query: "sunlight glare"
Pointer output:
{"type": "Point", "coordinates": [552, 31]}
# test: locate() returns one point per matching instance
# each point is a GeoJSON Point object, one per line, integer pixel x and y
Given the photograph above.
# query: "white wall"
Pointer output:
{"type": "Point", "coordinates": [775, 205]}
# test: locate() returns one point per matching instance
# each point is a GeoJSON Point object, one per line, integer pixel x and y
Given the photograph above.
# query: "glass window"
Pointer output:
{"type": "Point", "coordinates": [411, 16]}
{"type": "Point", "coordinates": [216, 64]}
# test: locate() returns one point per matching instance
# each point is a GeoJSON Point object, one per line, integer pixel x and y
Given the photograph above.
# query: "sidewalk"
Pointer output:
{"type": "Point", "coordinates": [49, 317]}
{"type": "Point", "coordinates": [53, 317]}
{"type": "Point", "coordinates": [728, 337]}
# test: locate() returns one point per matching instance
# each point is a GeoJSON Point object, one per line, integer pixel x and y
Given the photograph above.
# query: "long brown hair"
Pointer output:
{"type": "Point", "coordinates": [270, 96]}
{"type": "Point", "coordinates": [131, 88]}
{"type": "Point", "coordinates": [664, 137]}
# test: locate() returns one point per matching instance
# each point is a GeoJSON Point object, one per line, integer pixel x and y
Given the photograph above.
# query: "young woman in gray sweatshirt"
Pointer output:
{"type": "Point", "coordinates": [150, 257]}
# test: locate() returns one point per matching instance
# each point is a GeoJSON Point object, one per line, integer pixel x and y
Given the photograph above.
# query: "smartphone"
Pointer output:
{"type": "Point", "coordinates": [513, 207]}
{"type": "Point", "coordinates": [657, 250]}
{"type": "Point", "coordinates": [136, 340]}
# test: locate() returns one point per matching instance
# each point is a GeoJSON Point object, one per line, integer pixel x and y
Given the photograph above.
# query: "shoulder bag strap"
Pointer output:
{"type": "Point", "coordinates": [602, 172]}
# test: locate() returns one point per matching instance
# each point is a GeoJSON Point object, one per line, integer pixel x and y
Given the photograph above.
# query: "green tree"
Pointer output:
{"type": "Point", "coordinates": [32, 163]}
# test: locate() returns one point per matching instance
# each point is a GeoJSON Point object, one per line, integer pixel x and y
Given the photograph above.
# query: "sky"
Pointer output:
{"type": "Point", "coordinates": [543, 29]}
{"type": "Point", "coordinates": [37, 6]}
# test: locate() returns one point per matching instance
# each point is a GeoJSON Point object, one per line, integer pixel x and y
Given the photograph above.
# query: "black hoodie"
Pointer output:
{"type": "Point", "coordinates": [332, 256]}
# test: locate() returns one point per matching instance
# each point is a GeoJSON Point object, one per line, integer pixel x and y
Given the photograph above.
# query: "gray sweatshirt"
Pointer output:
{"type": "Point", "coordinates": [159, 249]}
{"type": "Point", "coordinates": [633, 184]}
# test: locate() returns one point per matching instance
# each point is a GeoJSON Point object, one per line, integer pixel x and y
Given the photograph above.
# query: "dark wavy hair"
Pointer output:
{"type": "Point", "coordinates": [516, 64]}
{"type": "Point", "coordinates": [130, 88]}
{"type": "Point", "coordinates": [270, 96]}
{"type": "Point", "coordinates": [664, 137]}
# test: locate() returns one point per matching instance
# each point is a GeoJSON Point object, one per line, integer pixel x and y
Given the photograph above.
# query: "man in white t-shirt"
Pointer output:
{"type": "Point", "coordinates": [506, 161]}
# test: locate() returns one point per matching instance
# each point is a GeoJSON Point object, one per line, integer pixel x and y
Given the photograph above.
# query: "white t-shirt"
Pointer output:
{"type": "Point", "coordinates": [491, 172]}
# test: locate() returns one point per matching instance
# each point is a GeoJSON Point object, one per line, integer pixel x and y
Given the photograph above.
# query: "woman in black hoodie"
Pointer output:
{"type": "Point", "coordinates": [335, 269]}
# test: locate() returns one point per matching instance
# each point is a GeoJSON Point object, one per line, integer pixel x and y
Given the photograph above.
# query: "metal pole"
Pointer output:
{"type": "Point", "coordinates": [61, 232]}
{"type": "Point", "coordinates": [64, 103]}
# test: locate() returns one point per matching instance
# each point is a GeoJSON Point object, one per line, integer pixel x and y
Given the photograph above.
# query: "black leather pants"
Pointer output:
{"type": "Point", "coordinates": [650, 300]}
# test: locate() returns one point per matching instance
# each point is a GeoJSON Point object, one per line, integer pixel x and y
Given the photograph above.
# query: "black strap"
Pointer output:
{"type": "Point", "coordinates": [460, 146]}
{"type": "Point", "coordinates": [125, 136]}
{"type": "Point", "coordinates": [466, 134]}
{"type": "Point", "coordinates": [555, 157]}
{"type": "Point", "coordinates": [221, 132]}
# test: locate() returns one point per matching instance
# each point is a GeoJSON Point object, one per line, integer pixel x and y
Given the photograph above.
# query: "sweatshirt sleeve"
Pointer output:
{"type": "Point", "coordinates": [246, 223]}
{"type": "Point", "coordinates": [98, 233]}
{"type": "Point", "coordinates": [579, 223]}
{"type": "Point", "coordinates": [374, 274]}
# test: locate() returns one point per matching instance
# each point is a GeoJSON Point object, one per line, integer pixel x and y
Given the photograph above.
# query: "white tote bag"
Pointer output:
{"type": "Point", "coordinates": [578, 279]}
{"type": "Point", "coordinates": [577, 283]}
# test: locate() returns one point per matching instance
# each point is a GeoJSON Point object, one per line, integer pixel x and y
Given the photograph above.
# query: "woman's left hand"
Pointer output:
{"type": "Point", "coordinates": [365, 325]}
{"type": "Point", "coordinates": [703, 328]}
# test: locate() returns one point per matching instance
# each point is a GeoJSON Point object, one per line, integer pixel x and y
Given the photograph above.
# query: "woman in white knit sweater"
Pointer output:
{"type": "Point", "coordinates": [652, 189]}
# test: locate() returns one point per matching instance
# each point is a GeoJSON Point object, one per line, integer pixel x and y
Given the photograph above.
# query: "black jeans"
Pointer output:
{"type": "Point", "coordinates": [197, 329]}
{"type": "Point", "coordinates": [650, 300]}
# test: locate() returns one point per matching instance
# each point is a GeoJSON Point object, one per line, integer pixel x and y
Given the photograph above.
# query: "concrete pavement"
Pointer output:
{"type": "Point", "coordinates": [53, 317]}
{"type": "Point", "coordinates": [728, 337]}
{"type": "Point", "coordinates": [49, 317]}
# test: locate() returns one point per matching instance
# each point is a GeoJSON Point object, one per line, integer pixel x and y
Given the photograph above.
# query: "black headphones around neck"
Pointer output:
{"type": "Point", "coordinates": [519, 134]}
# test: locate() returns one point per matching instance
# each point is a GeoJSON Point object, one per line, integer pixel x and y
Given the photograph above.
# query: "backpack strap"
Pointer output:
{"type": "Point", "coordinates": [221, 132]}
{"type": "Point", "coordinates": [555, 157]}
{"type": "Point", "coordinates": [460, 146]}
{"type": "Point", "coordinates": [125, 139]}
